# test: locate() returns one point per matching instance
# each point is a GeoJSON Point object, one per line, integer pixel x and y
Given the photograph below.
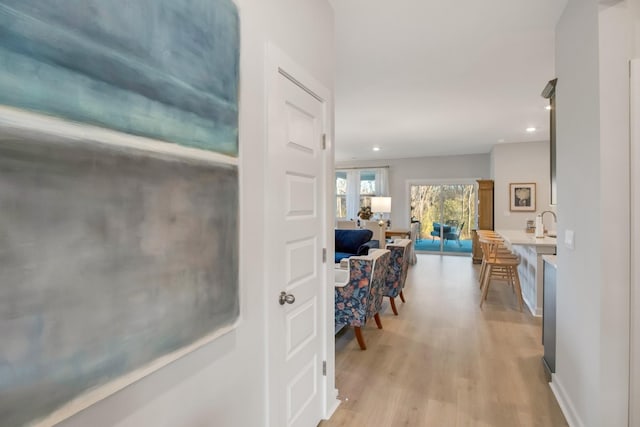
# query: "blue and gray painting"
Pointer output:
{"type": "Point", "coordinates": [164, 69]}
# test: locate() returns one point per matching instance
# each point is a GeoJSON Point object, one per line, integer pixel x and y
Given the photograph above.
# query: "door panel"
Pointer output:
{"type": "Point", "coordinates": [300, 262]}
{"type": "Point", "coordinates": [301, 195]}
{"type": "Point", "coordinates": [295, 228]}
{"type": "Point", "coordinates": [301, 392]}
{"type": "Point", "coordinates": [302, 327]}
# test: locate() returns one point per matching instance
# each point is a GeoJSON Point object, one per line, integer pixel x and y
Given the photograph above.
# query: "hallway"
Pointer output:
{"type": "Point", "coordinates": [443, 361]}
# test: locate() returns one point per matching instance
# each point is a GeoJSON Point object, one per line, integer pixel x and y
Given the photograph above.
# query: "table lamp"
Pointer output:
{"type": "Point", "coordinates": [379, 206]}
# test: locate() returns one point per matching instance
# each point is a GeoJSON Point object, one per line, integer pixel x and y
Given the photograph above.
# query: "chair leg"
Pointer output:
{"type": "Point", "coordinates": [376, 317]}
{"type": "Point", "coordinates": [483, 273]}
{"type": "Point", "coordinates": [360, 338]}
{"type": "Point", "coordinates": [402, 296]}
{"type": "Point", "coordinates": [485, 285]}
{"type": "Point", "coordinates": [511, 280]}
{"type": "Point", "coordinates": [517, 284]}
{"type": "Point", "coordinates": [393, 305]}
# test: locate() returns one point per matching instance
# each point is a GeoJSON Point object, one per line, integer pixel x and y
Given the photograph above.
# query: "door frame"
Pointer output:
{"type": "Point", "coordinates": [277, 64]}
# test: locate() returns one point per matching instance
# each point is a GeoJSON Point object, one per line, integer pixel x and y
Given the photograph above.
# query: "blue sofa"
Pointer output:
{"type": "Point", "coordinates": [354, 242]}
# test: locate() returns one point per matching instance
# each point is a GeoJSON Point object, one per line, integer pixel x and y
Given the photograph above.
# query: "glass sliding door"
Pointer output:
{"type": "Point", "coordinates": [446, 213]}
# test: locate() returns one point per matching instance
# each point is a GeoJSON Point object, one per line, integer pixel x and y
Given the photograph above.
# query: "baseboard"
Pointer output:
{"type": "Point", "coordinates": [332, 405]}
{"type": "Point", "coordinates": [531, 307]}
{"type": "Point", "coordinates": [564, 401]}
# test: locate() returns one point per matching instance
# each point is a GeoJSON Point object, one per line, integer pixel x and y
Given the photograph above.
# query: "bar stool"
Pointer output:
{"type": "Point", "coordinates": [489, 235]}
{"type": "Point", "coordinates": [498, 263]}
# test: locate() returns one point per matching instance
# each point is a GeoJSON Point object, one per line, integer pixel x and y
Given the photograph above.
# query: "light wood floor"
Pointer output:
{"type": "Point", "coordinates": [445, 362]}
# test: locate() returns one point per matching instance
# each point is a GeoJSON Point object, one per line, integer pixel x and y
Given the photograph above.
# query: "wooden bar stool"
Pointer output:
{"type": "Point", "coordinates": [490, 236]}
{"type": "Point", "coordinates": [499, 264]}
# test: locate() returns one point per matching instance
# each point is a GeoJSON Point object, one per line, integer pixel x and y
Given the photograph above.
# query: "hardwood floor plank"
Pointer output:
{"type": "Point", "coordinates": [443, 361]}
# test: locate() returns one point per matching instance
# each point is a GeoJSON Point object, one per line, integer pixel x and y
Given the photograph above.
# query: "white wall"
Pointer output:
{"type": "Point", "coordinates": [591, 379]}
{"type": "Point", "coordinates": [223, 383]}
{"type": "Point", "coordinates": [520, 162]}
{"type": "Point", "coordinates": [615, 52]}
{"type": "Point", "coordinates": [437, 168]}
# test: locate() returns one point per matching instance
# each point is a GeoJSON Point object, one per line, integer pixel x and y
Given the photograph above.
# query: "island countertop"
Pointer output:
{"type": "Point", "coordinates": [520, 237]}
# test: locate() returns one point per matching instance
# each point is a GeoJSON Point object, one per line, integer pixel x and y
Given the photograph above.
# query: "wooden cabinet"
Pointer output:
{"type": "Point", "coordinates": [485, 214]}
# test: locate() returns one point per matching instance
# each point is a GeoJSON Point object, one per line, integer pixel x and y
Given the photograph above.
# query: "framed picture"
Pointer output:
{"type": "Point", "coordinates": [522, 197]}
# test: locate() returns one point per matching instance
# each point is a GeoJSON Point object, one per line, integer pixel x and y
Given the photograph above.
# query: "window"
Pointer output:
{"type": "Point", "coordinates": [355, 187]}
{"type": "Point", "coordinates": [341, 194]}
{"type": "Point", "coordinates": [367, 187]}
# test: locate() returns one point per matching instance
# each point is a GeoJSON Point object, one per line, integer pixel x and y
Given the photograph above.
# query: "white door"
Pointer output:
{"type": "Point", "coordinates": [295, 236]}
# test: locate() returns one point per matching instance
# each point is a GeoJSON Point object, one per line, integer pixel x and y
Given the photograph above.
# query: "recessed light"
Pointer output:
{"type": "Point", "coordinates": [548, 107]}
{"type": "Point", "coordinates": [376, 148]}
{"type": "Point", "coordinates": [531, 129]}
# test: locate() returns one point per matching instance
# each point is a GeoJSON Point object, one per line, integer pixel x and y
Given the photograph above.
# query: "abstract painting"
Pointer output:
{"type": "Point", "coordinates": [109, 259]}
{"type": "Point", "coordinates": [116, 256]}
{"type": "Point", "coordinates": [164, 69]}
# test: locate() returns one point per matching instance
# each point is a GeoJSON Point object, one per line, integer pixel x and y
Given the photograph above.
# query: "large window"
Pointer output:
{"type": "Point", "coordinates": [356, 187]}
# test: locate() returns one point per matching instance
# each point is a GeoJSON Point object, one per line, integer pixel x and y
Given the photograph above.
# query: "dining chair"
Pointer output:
{"type": "Point", "coordinates": [346, 224]}
{"type": "Point", "coordinates": [414, 232]}
{"type": "Point", "coordinates": [360, 299]}
{"type": "Point", "coordinates": [397, 272]}
{"type": "Point", "coordinates": [378, 230]}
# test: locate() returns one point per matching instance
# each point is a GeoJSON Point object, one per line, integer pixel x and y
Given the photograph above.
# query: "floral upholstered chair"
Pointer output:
{"type": "Point", "coordinates": [397, 272]}
{"type": "Point", "coordinates": [414, 233]}
{"type": "Point", "coordinates": [361, 298]}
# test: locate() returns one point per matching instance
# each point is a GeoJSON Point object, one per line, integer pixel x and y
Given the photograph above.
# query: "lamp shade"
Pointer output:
{"type": "Point", "coordinates": [381, 204]}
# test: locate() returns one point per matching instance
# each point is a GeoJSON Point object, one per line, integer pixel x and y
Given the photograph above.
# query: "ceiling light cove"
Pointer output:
{"type": "Point", "coordinates": [376, 148]}
{"type": "Point", "coordinates": [531, 129]}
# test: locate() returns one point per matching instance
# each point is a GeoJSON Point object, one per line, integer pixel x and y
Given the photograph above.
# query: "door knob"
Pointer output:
{"type": "Point", "coordinates": [286, 298]}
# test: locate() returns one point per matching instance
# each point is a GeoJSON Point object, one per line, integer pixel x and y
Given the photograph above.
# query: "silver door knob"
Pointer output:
{"type": "Point", "coordinates": [286, 298]}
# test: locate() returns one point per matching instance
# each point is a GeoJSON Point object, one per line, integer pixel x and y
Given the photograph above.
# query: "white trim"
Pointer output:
{"type": "Point", "coordinates": [569, 411]}
{"type": "Point", "coordinates": [333, 404]}
{"type": "Point", "coordinates": [93, 396]}
{"type": "Point", "coordinates": [13, 119]}
{"type": "Point", "coordinates": [634, 309]}
{"type": "Point", "coordinates": [532, 310]}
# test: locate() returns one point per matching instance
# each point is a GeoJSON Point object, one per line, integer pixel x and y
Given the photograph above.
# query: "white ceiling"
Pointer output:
{"type": "Point", "coordinates": [426, 77]}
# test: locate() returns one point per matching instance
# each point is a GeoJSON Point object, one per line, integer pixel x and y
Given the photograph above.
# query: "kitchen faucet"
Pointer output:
{"type": "Point", "coordinates": [555, 219]}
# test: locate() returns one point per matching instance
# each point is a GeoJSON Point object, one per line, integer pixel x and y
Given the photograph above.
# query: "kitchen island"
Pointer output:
{"type": "Point", "coordinates": [531, 268]}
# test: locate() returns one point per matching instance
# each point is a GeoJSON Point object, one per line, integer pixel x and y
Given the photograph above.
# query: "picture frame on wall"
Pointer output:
{"type": "Point", "coordinates": [522, 197]}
